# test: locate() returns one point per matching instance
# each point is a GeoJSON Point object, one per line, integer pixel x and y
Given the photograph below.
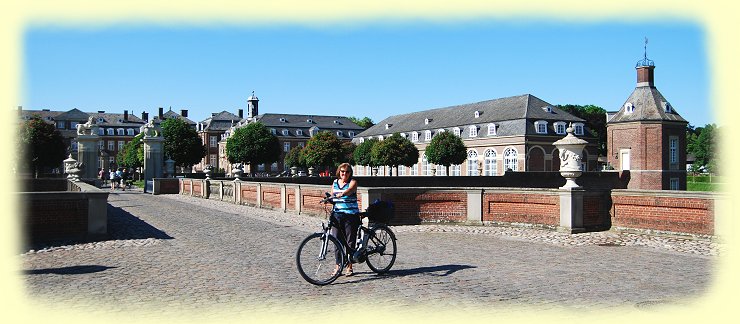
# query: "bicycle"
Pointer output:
{"type": "Point", "coordinates": [319, 253]}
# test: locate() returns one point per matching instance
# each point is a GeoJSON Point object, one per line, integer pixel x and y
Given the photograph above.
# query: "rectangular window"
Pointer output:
{"type": "Point", "coordinates": [214, 160]}
{"type": "Point", "coordinates": [60, 124]}
{"type": "Point", "coordinates": [111, 145]}
{"type": "Point", "coordinates": [673, 147]}
{"type": "Point", "coordinates": [674, 183]}
{"type": "Point", "coordinates": [541, 128]}
{"type": "Point", "coordinates": [101, 144]}
{"type": "Point", "coordinates": [74, 145]}
{"type": "Point", "coordinates": [473, 131]}
{"type": "Point", "coordinates": [455, 170]}
{"type": "Point", "coordinates": [402, 170]}
{"type": "Point", "coordinates": [579, 129]}
{"type": "Point", "coordinates": [286, 147]}
{"type": "Point", "coordinates": [428, 135]}
{"type": "Point", "coordinates": [414, 169]}
{"type": "Point", "coordinates": [111, 131]}
{"type": "Point", "coordinates": [425, 167]}
{"type": "Point", "coordinates": [441, 170]}
{"type": "Point", "coordinates": [414, 137]}
{"type": "Point", "coordinates": [560, 128]}
{"type": "Point", "coordinates": [213, 141]}
{"type": "Point", "coordinates": [120, 145]}
{"type": "Point", "coordinates": [73, 125]}
{"type": "Point", "coordinates": [130, 132]}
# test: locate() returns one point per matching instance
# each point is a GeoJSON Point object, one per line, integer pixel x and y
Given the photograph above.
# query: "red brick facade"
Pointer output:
{"type": "Point", "coordinates": [542, 207]}
{"type": "Point", "coordinates": [650, 210]}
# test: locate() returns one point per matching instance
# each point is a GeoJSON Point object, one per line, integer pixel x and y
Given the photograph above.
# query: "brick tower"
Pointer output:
{"type": "Point", "coordinates": [647, 136]}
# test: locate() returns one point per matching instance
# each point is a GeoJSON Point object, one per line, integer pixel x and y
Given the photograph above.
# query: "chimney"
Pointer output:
{"type": "Point", "coordinates": [184, 112]}
{"type": "Point", "coordinates": [161, 113]}
{"type": "Point", "coordinates": [125, 115]}
{"type": "Point", "coordinates": [241, 113]}
{"type": "Point", "coordinates": [144, 116]}
{"type": "Point", "coordinates": [101, 111]}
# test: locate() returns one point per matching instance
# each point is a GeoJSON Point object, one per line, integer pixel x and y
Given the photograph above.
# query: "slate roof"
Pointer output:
{"type": "Point", "coordinates": [512, 116]}
{"type": "Point", "coordinates": [305, 122]}
{"type": "Point", "coordinates": [108, 119]}
{"type": "Point", "coordinates": [221, 122]}
{"type": "Point", "coordinates": [172, 114]}
{"type": "Point", "coordinates": [649, 105]}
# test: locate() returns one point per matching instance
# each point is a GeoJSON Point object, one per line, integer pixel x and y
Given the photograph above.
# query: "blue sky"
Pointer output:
{"type": "Point", "coordinates": [372, 69]}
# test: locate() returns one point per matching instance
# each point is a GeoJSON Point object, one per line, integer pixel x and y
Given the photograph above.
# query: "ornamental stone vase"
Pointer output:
{"type": "Point", "coordinates": [208, 169]}
{"type": "Point", "coordinates": [238, 170]}
{"type": "Point", "coordinates": [571, 148]}
{"type": "Point", "coordinates": [169, 167]}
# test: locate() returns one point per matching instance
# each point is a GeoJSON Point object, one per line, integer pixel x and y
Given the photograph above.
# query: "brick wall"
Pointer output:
{"type": "Point", "coordinates": [424, 206]}
{"type": "Point", "coordinates": [541, 208]}
{"type": "Point", "coordinates": [678, 212]}
{"type": "Point", "coordinates": [197, 190]}
{"type": "Point", "coordinates": [271, 197]}
{"type": "Point", "coordinates": [53, 218]}
{"type": "Point", "coordinates": [248, 194]}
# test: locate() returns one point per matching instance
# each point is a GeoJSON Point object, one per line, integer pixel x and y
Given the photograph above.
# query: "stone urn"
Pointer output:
{"type": "Point", "coordinates": [169, 167]}
{"type": "Point", "coordinates": [208, 170]}
{"type": "Point", "coordinates": [238, 170]}
{"type": "Point", "coordinates": [293, 171]}
{"type": "Point", "coordinates": [374, 171]}
{"type": "Point", "coordinates": [73, 169]}
{"type": "Point", "coordinates": [571, 149]}
{"type": "Point", "coordinates": [434, 170]}
{"type": "Point", "coordinates": [310, 172]}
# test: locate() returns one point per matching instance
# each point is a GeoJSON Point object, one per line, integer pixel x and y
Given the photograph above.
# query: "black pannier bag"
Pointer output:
{"type": "Point", "coordinates": [379, 211]}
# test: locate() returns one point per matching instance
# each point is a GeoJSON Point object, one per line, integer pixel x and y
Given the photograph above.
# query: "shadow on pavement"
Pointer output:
{"type": "Point", "coordinates": [437, 271]}
{"type": "Point", "coordinates": [122, 225]}
{"type": "Point", "coordinates": [69, 270]}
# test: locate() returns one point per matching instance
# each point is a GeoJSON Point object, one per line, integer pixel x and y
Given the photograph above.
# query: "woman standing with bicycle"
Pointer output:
{"type": "Point", "coordinates": [346, 210]}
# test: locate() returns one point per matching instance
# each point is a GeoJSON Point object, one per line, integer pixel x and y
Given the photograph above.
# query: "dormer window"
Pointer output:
{"type": "Point", "coordinates": [120, 131]}
{"type": "Point", "coordinates": [60, 124]}
{"type": "Point", "coordinates": [540, 127]}
{"type": "Point", "coordinates": [130, 132]}
{"type": "Point", "coordinates": [285, 132]}
{"type": "Point", "coordinates": [477, 114]}
{"type": "Point", "coordinates": [111, 131]}
{"type": "Point", "coordinates": [340, 134]}
{"type": "Point", "coordinates": [299, 132]}
{"type": "Point", "coordinates": [120, 120]}
{"type": "Point", "coordinates": [362, 140]}
{"type": "Point", "coordinates": [101, 131]}
{"type": "Point", "coordinates": [428, 135]}
{"type": "Point", "coordinates": [388, 126]}
{"type": "Point", "coordinates": [426, 121]}
{"type": "Point", "coordinates": [403, 135]}
{"type": "Point", "coordinates": [380, 137]}
{"type": "Point", "coordinates": [336, 122]}
{"type": "Point", "coordinates": [273, 131]}
{"type": "Point", "coordinates": [667, 107]}
{"type": "Point", "coordinates": [414, 137]}
{"type": "Point", "coordinates": [547, 109]}
{"type": "Point", "coordinates": [351, 134]}
{"type": "Point", "coordinates": [559, 127]}
{"type": "Point", "coordinates": [283, 120]}
{"type": "Point", "coordinates": [310, 121]}
{"type": "Point", "coordinates": [457, 131]}
{"type": "Point", "coordinates": [439, 131]}
{"type": "Point", "coordinates": [578, 128]}
{"type": "Point", "coordinates": [629, 107]}
{"type": "Point", "coordinates": [473, 131]}
{"type": "Point", "coordinates": [48, 118]}
{"type": "Point", "coordinates": [491, 129]}
{"type": "Point", "coordinates": [100, 119]}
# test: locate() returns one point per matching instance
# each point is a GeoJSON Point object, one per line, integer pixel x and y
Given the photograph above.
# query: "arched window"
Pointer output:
{"type": "Point", "coordinates": [510, 159]}
{"type": "Point", "coordinates": [492, 129]}
{"type": "Point", "coordinates": [456, 130]}
{"type": "Point", "coordinates": [428, 135]}
{"type": "Point", "coordinates": [473, 131]}
{"type": "Point", "coordinates": [414, 137]}
{"type": "Point", "coordinates": [425, 166]}
{"type": "Point", "coordinates": [472, 163]}
{"type": "Point", "coordinates": [489, 167]}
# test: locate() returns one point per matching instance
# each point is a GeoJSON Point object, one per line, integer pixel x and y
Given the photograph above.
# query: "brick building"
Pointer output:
{"type": "Point", "coordinates": [647, 137]}
{"type": "Point", "coordinates": [514, 133]}
{"type": "Point", "coordinates": [291, 130]}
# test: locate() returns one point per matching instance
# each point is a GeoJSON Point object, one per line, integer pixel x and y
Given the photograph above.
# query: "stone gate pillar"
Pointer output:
{"type": "Point", "coordinates": [88, 148]}
{"type": "Point", "coordinates": [153, 152]}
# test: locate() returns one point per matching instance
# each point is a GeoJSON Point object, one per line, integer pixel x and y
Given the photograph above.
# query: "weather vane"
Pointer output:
{"type": "Point", "coordinates": [646, 41]}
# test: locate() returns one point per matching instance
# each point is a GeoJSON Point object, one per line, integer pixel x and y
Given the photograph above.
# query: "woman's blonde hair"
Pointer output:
{"type": "Point", "coordinates": [347, 167]}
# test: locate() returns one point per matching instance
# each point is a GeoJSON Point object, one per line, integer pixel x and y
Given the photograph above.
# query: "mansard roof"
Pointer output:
{"type": "Point", "coordinates": [307, 121]}
{"type": "Point", "coordinates": [74, 114]}
{"type": "Point", "coordinates": [220, 122]}
{"type": "Point", "coordinates": [172, 114]}
{"type": "Point", "coordinates": [510, 114]}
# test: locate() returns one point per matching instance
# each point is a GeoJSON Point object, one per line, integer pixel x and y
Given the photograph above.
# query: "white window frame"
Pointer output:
{"type": "Point", "coordinates": [273, 131]}
{"type": "Point", "coordinates": [489, 164]}
{"type": "Point", "coordinates": [426, 169]}
{"type": "Point", "coordinates": [629, 107]}
{"type": "Point", "coordinates": [491, 129]}
{"type": "Point", "coordinates": [414, 136]}
{"type": "Point", "coordinates": [61, 124]}
{"type": "Point", "coordinates": [674, 184]}
{"type": "Point", "coordinates": [380, 137]}
{"type": "Point", "coordinates": [472, 163]}
{"type": "Point", "coordinates": [73, 125]}
{"type": "Point", "coordinates": [101, 144]}
{"type": "Point", "coordinates": [285, 132]}
{"type": "Point", "coordinates": [120, 132]}
{"type": "Point", "coordinates": [130, 132]}
{"type": "Point", "coordinates": [401, 170]}
{"type": "Point", "coordinates": [441, 170]}
{"type": "Point", "coordinates": [455, 169]}
{"type": "Point", "coordinates": [101, 131]}
{"type": "Point", "coordinates": [511, 159]}
{"type": "Point", "coordinates": [414, 169]}
{"type": "Point", "coordinates": [74, 145]}
{"type": "Point", "coordinates": [213, 140]}
{"type": "Point", "coordinates": [473, 131]}
{"type": "Point", "coordinates": [457, 131]}
{"type": "Point", "coordinates": [340, 134]}
{"type": "Point", "coordinates": [351, 134]}
{"type": "Point", "coordinates": [111, 145]}
{"type": "Point", "coordinates": [120, 145]}
{"type": "Point", "coordinates": [540, 127]}
{"type": "Point", "coordinates": [286, 147]}
{"type": "Point", "coordinates": [578, 128]}
{"type": "Point", "coordinates": [559, 127]}
{"type": "Point", "coordinates": [111, 131]}
{"type": "Point", "coordinates": [428, 135]}
{"type": "Point", "coordinates": [213, 158]}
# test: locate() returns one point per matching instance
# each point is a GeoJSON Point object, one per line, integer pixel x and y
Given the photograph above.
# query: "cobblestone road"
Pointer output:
{"type": "Point", "coordinates": [173, 255]}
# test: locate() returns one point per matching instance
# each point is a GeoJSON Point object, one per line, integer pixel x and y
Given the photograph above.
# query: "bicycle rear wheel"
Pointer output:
{"type": "Point", "coordinates": [381, 249]}
{"type": "Point", "coordinates": [316, 258]}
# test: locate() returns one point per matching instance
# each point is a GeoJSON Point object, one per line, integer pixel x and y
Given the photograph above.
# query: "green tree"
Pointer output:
{"type": "Point", "coordinates": [294, 158]}
{"type": "Point", "coordinates": [446, 149]}
{"type": "Point", "coordinates": [348, 149]}
{"type": "Point", "coordinates": [132, 155]}
{"type": "Point", "coordinates": [701, 142]}
{"type": "Point", "coordinates": [323, 150]}
{"type": "Point", "coordinates": [363, 153]}
{"type": "Point", "coordinates": [182, 143]}
{"type": "Point", "coordinates": [595, 117]}
{"type": "Point", "coordinates": [42, 145]}
{"type": "Point", "coordinates": [365, 122]}
{"type": "Point", "coordinates": [394, 151]}
{"type": "Point", "coordinates": [253, 144]}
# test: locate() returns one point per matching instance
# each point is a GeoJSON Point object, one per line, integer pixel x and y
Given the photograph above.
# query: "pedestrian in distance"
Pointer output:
{"type": "Point", "coordinates": [112, 177]}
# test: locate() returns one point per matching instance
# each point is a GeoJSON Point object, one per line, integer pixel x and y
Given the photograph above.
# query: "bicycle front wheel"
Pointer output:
{"type": "Point", "coordinates": [316, 258]}
{"type": "Point", "coordinates": [381, 249]}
